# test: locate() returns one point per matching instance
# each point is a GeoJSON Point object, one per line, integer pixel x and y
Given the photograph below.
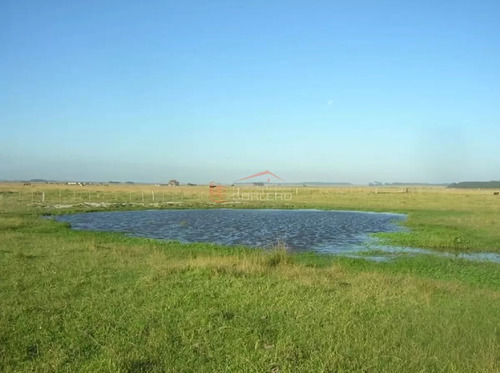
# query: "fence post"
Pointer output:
{"type": "Point", "coordinates": [153, 195]}
{"type": "Point", "coordinates": [43, 196]}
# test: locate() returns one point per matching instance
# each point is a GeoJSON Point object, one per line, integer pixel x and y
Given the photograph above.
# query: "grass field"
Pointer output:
{"type": "Point", "coordinates": [85, 301]}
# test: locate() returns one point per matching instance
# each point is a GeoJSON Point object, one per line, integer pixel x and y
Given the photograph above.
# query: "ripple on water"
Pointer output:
{"type": "Point", "coordinates": [334, 232]}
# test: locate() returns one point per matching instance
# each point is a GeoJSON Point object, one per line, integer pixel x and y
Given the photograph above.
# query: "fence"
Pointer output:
{"type": "Point", "coordinates": [51, 194]}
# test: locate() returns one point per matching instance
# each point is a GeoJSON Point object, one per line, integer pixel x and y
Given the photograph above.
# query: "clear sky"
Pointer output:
{"type": "Point", "coordinates": [352, 91]}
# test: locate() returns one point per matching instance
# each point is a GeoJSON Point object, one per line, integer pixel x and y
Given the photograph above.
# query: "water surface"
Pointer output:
{"type": "Point", "coordinates": [346, 233]}
{"type": "Point", "coordinates": [300, 230]}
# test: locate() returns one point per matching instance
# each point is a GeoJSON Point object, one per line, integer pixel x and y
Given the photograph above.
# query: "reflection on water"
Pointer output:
{"type": "Point", "coordinates": [335, 232]}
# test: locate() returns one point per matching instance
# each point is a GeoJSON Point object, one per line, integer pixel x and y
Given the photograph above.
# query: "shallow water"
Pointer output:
{"type": "Point", "coordinates": [346, 233]}
{"type": "Point", "coordinates": [385, 253]}
{"type": "Point", "coordinates": [300, 230]}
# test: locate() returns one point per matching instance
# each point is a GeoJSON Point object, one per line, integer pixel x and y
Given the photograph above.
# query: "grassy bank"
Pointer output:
{"type": "Point", "coordinates": [84, 301]}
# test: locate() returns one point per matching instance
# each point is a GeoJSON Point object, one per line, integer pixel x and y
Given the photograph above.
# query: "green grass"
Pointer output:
{"type": "Point", "coordinates": [84, 301]}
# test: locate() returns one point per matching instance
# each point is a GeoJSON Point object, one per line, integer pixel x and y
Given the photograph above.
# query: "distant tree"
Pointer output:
{"type": "Point", "coordinates": [476, 185]}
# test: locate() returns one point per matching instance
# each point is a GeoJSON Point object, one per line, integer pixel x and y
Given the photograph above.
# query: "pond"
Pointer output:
{"type": "Point", "coordinates": [347, 233]}
{"type": "Point", "coordinates": [299, 230]}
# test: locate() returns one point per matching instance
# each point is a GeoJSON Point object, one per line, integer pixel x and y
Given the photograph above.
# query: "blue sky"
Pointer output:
{"type": "Point", "coordinates": [351, 91]}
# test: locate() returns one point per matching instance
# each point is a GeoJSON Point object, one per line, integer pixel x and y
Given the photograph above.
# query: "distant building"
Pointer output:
{"type": "Point", "coordinates": [173, 183]}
